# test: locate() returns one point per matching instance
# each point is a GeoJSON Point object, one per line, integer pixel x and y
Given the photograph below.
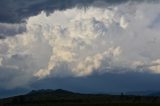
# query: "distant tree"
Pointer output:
{"type": "Point", "coordinates": [122, 96]}
{"type": "Point", "coordinates": [18, 100]}
{"type": "Point", "coordinates": [137, 99]}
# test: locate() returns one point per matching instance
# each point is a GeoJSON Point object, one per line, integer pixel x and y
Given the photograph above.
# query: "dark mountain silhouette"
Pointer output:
{"type": "Point", "coordinates": [155, 94]}
{"type": "Point", "coordinates": [49, 91]}
{"type": "Point", "coordinates": [144, 93]}
{"type": "Point", "coordinates": [141, 93]}
{"type": "Point", "coordinates": [61, 97]}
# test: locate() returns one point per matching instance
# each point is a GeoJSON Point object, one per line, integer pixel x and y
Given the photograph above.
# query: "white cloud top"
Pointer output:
{"type": "Point", "coordinates": [75, 42]}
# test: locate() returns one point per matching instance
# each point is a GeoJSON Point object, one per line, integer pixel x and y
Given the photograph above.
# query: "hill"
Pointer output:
{"type": "Point", "coordinates": [49, 92]}
{"type": "Point", "coordinates": [61, 97]}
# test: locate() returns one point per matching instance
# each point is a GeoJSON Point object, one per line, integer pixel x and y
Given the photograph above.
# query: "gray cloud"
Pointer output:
{"type": "Point", "coordinates": [103, 83]}
{"type": "Point", "coordinates": [12, 11]}
{"type": "Point", "coordinates": [77, 43]}
{"type": "Point", "coordinates": [15, 11]}
{"type": "Point", "coordinates": [11, 29]}
{"type": "Point", "coordinates": [2, 37]}
{"type": "Point", "coordinates": [95, 83]}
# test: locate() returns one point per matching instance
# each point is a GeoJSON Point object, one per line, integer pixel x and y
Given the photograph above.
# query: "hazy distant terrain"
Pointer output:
{"type": "Point", "coordinates": [62, 98]}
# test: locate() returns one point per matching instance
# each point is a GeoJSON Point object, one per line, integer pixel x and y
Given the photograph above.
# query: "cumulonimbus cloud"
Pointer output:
{"type": "Point", "coordinates": [77, 42]}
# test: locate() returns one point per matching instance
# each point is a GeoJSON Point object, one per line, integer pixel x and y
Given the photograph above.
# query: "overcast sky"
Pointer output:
{"type": "Point", "coordinates": [84, 46]}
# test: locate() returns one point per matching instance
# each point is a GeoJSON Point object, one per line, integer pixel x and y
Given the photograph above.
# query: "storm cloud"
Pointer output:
{"type": "Point", "coordinates": [78, 42]}
{"type": "Point", "coordinates": [15, 11]}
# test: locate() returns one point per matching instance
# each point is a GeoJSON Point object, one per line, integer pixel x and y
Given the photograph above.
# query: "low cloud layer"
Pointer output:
{"type": "Point", "coordinates": [78, 42]}
{"type": "Point", "coordinates": [7, 30]}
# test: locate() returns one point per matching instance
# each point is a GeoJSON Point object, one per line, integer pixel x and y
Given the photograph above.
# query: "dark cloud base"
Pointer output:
{"type": "Point", "coordinates": [109, 82]}
{"type": "Point", "coordinates": [104, 83]}
{"type": "Point", "coordinates": [13, 11]}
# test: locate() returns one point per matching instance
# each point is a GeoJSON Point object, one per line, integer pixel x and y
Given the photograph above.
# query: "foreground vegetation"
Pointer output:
{"type": "Point", "coordinates": [66, 98]}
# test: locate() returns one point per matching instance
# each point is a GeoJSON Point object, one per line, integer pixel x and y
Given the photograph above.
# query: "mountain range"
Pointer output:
{"type": "Point", "coordinates": [60, 97]}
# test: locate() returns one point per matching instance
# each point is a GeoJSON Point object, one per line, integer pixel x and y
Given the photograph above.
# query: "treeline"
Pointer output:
{"type": "Point", "coordinates": [69, 99]}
